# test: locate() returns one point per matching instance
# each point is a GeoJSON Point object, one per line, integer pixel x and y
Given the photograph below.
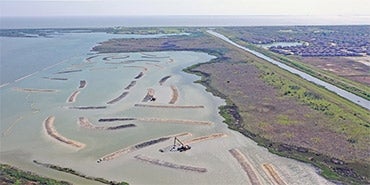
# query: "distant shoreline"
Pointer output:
{"type": "Point", "coordinates": [178, 21]}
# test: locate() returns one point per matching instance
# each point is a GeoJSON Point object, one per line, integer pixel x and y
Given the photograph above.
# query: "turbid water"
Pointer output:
{"type": "Point", "coordinates": [27, 103]}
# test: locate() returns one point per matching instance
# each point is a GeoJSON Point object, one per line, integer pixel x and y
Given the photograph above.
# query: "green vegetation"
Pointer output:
{"type": "Point", "coordinates": [12, 175]}
{"type": "Point", "coordinates": [343, 83]}
{"type": "Point", "coordinates": [73, 172]}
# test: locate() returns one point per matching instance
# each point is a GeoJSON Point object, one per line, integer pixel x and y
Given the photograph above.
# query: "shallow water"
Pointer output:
{"type": "Point", "coordinates": [24, 139]}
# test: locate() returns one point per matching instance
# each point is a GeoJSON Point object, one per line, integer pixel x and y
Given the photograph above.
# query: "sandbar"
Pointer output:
{"type": "Point", "coordinates": [50, 130]}
{"type": "Point", "coordinates": [114, 57]}
{"type": "Point", "coordinates": [141, 74]}
{"type": "Point", "coordinates": [171, 106]}
{"type": "Point", "coordinates": [83, 84]}
{"type": "Point", "coordinates": [149, 95]}
{"type": "Point", "coordinates": [88, 107]}
{"type": "Point", "coordinates": [129, 86]}
{"type": "Point", "coordinates": [85, 123]}
{"type": "Point", "coordinates": [159, 162]}
{"type": "Point", "coordinates": [204, 138]}
{"type": "Point", "coordinates": [120, 97]}
{"type": "Point", "coordinates": [89, 58]}
{"type": "Point", "coordinates": [272, 174]}
{"type": "Point", "coordinates": [164, 79]}
{"type": "Point", "coordinates": [35, 90]}
{"type": "Point", "coordinates": [69, 71]}
{"type": "Point", "coordinates": [179, 121]}
{"type": "Point", "coordinates": [246, 165]}
{"type": "Point", "coordinates": [158, 120]}
{"type": "Point", "coordinates": [72, 98]}
{"type": "Point", "coordinates": [175, 95]}
{"type": "Point", "coordinates": [132, 61]}
{"type": "Point", "coordinates": [50, 78]}
{"type": "Point", "coordinates": [140, 67]}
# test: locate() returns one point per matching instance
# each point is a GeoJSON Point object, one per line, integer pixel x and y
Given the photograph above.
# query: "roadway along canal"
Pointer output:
{"type": "Point", "coordinates": [345, 94]}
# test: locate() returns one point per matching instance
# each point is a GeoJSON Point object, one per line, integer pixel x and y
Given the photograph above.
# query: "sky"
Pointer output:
{"type": "Point", "coordinates": [47, 8]}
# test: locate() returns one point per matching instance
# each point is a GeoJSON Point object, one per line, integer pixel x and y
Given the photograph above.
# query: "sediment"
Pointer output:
{"type": "Point", "coordinates": [83, 84]}
{"type": "Point", "coordinates": [148, 55]}
{"type": "Point", "coordinates": [115, 119]}
{"type": "Point", "coordinates": [88, 107]}
{"type": "Point", "coordinates": [171, 106]}
{"type": "Point", "coordinates": [175, 95]}
{"type": "Point", "coordinates": [164, 79]}
{"type": "Point", "coordinates": [140, 67]}
{"type": "Point", "coordinates": [149, 95]}
{"type": "Point", "coordinates": [73, 96]}
{"type": "Point", "coordinates": [138, 146]}
{"type": "Point", "coordinates": [156, 57]}
{"type": "Point", "coordinates": [204, 138]}
{"type": "Point", "coordinates": [246, 165]}
{"type": "Point", "coordinates": [35, 90]}
{"type": "Point", "coordinates": [50, 130]}
{"type": "Point", "coordinates": [89, 58]}
{"type": "Point", "coordinates": [85, 123]}
{"type": "Point", "coordinates": [272, 174]}
{"type": "Point", "coordinates": [131, 61]}
{"type": "Point", "coordinates": [120, 97]}
{"type": "Point", "coordinates": [158, 120]}
{"type": "Point", "coordinates": [132, 83]}
{"type": "Point", "coordinates": [49, 78]}
{"type": "Point", "coordinates": [156, 65]}
{"type": "Point", "coordinates": [113, 57]}
{"type": "Point", "coordinates": [159, 162]}
{"type": "Point", "coordinates": [69, 71]}
{"type": "Point", "coordinates": [141, 74]}
{"type": "Point", "coordinates": [180, 121]}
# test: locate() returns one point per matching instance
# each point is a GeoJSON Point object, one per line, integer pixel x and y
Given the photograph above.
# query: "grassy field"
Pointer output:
{"type": "Point", "coordinates": [286, 114]}
{"type": "Point", "coordinates": [354, 87]}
